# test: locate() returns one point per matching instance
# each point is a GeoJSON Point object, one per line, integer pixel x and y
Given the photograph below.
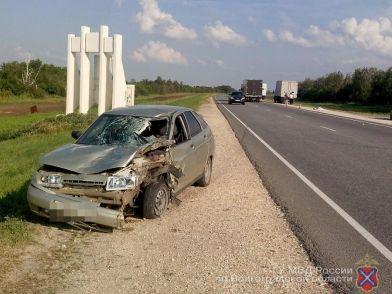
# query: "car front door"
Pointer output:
{"type": "Point", "coordinates": [199, 145]}
{"type": "Point", "coordinates": [182, 151]}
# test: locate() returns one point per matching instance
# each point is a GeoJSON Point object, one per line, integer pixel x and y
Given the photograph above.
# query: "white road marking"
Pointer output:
{"type": "Point", "coordinates": [289, 116]}
{"type": "Point", "coordinates": [329, 129]}
{"type": "Point", "coordinates": [357, 226]}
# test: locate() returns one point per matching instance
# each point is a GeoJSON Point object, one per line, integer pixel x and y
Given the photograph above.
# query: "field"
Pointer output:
{"type": "Point", "coordinates": [24, 139]}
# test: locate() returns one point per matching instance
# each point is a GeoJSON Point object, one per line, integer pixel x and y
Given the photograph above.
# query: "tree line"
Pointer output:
{"type": "Point", "coordinates": [32, 77]}
{"type": "Point", "coordinates": [37, 79]}
{"type": "Point", "coordinates": [161, 86]}
{"type": "Point", "coordinates": [369, 86]}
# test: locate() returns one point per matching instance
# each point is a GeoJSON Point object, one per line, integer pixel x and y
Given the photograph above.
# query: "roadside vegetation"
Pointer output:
{"type": "Point", "coordinates": [24, 139]}
{"type": "Point", "coordinates": [366, 89]}
{"type": "Point", "coordinates": [33, 79]}
{"type": "Point", "coordinates": [381, 111]}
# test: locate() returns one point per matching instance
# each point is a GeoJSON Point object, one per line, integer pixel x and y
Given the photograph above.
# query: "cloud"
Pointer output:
{"type": "Point", "coordinates": [201, 62]}
{"type": "Point", "coordinates": [158, 51]}
{"type": "Point", "coordinates": [138, 56]}
{"type": "Point", "coordinates": [179, 32]}
{"type": "Point", "coordinates": [153, 20]}
{"type": "Point", "coordinates": [219, 33]}
{"type": "Point", "coordinates": [374, 35]}
{"type": "Point", "coordinates": [220, 62]}
{"type": "Point", "coordinates": [252, 19]}
{"type": "Point", "coordinates": [22, 54]}
{"type": "Point", "coordinates": [119, 3]}
{"type": "Point", "coordinates": [270, 35]}
{"type": "Point", "coordinates": [316, 37]}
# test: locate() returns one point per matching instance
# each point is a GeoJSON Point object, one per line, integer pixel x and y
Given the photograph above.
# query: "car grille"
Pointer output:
{"type": "Point", "coordinates": [84, 180]}
{"type": "Point", "coordinates": [83, 183]}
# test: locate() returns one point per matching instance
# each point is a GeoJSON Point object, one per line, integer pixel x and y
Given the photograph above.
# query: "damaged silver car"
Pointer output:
{"type": "Point", "coordinates": [130, 159]}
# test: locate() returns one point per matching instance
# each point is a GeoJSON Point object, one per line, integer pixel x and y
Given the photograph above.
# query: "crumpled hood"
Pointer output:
{"type": "Point", "coordinates": [89, 159]}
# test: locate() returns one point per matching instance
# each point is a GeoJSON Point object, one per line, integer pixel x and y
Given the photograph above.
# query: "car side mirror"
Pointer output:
{"type": "Point", "coordinates": [76, 134]}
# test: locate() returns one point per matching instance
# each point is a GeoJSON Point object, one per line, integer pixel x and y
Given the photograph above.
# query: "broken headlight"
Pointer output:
{"type": "Point", "coordinates": [49, 180]}
{"type": "Point", "coordinates": [121, 183]}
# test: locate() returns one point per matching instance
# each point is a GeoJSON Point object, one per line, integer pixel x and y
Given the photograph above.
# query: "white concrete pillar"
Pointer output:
{"type": "Point", "coordinates": [71, 66]}
{"type": "Point", "coordinates": [77, 87]}
{"type": "Point", "coordinates": [103, 71]}
{"type": "Point", "coordinates": [109, 84]}
{"type": "Point", "coordinates": [84, 104]}
{"type": "Point", "coordinates": [94, 84]}
{"type": "Point", "coordinates": [118, 99]}
{"type": "Point", "coordinates": [130, 94]}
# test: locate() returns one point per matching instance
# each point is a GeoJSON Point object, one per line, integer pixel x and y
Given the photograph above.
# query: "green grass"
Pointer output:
{"type": "Point", "coordinates": [13, 127]}
{"type": "Point", "coordinates": [28, 99]}
{"type": "Point", "coordinates": [26, 139]}
{"type": "Point", "coordinates": [190, 100]}
{"type": "Point", "coordinates": [157, 97]}
{"type": "Point", "coordinates": [11, 124]}
{"type": "Point", "coordinates": [19, 158]}
{"type": "Point", "coordinates": [349, 107]}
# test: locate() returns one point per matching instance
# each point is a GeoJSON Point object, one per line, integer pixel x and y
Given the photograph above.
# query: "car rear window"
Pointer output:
{"type": "Point", "coordinates": [194, 126]}
{"type": "Point", "coordinates": [236, 94]}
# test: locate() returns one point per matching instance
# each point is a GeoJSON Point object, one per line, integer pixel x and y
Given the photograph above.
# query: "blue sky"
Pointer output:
{"type": "Point", "coordinates": [210, 42]}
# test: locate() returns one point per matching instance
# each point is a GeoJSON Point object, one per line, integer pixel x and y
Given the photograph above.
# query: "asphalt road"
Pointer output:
{"type": "Point", "coordinates": [347, 161]}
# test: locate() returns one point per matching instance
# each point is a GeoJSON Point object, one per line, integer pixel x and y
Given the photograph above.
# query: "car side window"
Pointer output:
{"type": "Point", "coordinates": [200, 119]}
{"type": "Point", "coordinates": [193, 124]}
{"type": "Point", "coordinates": [179, 131]}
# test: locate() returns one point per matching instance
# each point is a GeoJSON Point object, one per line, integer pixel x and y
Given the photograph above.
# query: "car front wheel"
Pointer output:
{"type": "Point", "coordinates": [156, 199]}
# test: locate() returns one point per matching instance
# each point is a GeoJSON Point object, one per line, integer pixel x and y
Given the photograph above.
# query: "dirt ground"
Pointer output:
{"type": "Point", "coordinates": [229, 237]}
{"type": "Point", "coordinates": [24, 108]}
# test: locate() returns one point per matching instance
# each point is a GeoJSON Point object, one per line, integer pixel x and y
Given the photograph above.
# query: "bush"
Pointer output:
{"type": "Point", "coordinates": [364, 86]}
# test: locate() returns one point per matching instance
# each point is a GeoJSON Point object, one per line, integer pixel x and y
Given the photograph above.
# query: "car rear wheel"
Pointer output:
{"type": "Point", "coordinates": [156, 199]}
{"type": "Point", "coordinates": [206, 178]}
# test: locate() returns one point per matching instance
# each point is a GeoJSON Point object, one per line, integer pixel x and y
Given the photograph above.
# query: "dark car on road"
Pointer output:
{"type": "Point", "coordinates": [237, 97]}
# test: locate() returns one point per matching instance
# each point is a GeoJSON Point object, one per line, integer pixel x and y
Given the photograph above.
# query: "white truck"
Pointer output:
{"type": "Point", "coordinates": [264, 91]}
{"type": "Point", "coordinates": [286, 91]}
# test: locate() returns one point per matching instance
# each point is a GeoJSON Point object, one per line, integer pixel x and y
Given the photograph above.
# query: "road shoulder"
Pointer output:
{"type": "Point", "coordinates": [343, 114]}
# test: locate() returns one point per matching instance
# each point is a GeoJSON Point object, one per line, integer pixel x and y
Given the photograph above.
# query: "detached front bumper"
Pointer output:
{"type": "Point", "coordinates": [66, 208]}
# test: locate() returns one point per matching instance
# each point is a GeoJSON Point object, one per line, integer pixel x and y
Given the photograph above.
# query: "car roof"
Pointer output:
{"type": "Point", "coordinates": [147, 110]}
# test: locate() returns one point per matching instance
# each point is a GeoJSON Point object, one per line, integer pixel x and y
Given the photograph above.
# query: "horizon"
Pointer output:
{"type": "Point", "coordinates": [211, 42]}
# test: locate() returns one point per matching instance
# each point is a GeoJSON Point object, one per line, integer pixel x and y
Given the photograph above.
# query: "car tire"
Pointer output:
{"type": "Point", "coordinates": [206, 177]}
{"type": "Point", "coordinates": [156, 200]}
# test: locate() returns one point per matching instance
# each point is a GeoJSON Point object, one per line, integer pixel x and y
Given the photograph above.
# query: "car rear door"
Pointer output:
{"type": "Point", "coordinates": [199, 145]}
